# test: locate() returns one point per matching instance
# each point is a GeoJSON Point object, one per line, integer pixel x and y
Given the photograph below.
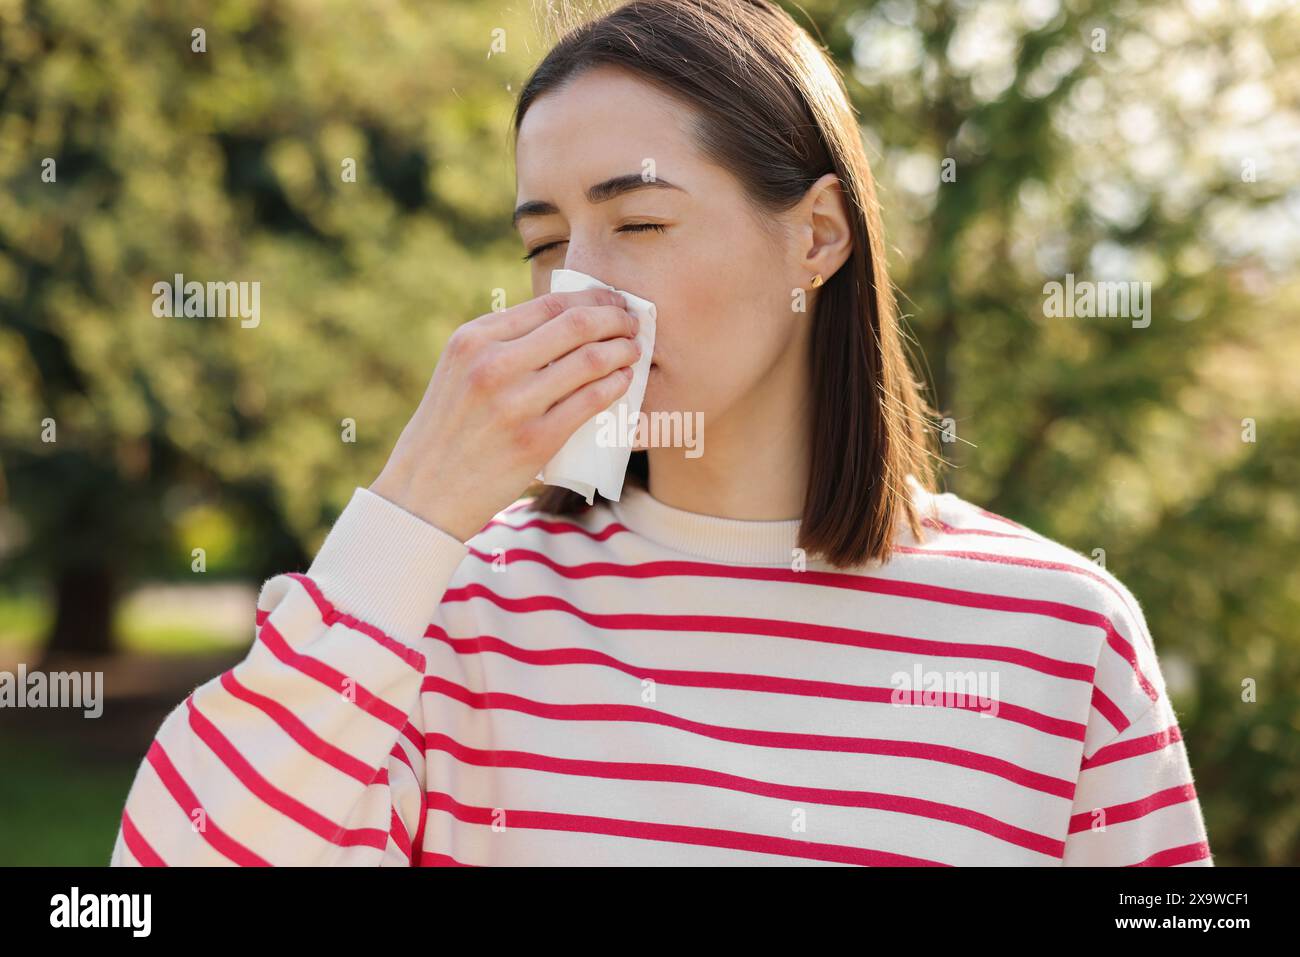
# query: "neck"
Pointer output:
{"type": "Point", "coordinates": [756, 457]}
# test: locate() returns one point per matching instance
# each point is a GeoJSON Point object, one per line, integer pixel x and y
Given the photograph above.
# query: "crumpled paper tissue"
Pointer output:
{"type": "Point", "coordinates": [588, 463]}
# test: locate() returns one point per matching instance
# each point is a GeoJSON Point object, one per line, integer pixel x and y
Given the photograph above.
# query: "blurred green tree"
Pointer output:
{"type": "Point", "coordinates": [349, 163]}
{"type": "Point", "coordinates": [1018, 142]}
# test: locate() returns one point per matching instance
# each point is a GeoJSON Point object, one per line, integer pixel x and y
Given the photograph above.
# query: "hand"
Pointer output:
{"type": "Point", "coordinates": [508, 391]}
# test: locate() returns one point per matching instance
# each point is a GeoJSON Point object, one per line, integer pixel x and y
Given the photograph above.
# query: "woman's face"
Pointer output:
{"type": "Point", "coordinates": [721, 285]}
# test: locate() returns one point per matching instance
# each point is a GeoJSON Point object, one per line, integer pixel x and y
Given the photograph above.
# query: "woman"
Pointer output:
{"type": "Point", "coordinates": [788, 650]}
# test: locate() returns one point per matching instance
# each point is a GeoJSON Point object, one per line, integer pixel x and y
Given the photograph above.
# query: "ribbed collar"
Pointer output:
{"type": "Point", "coordinates": [736, 541]}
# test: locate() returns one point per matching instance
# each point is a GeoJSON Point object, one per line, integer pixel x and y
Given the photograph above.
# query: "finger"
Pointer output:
{"type": "Point", "coordinates": [520, 320]}
{"type": "Point", "coordinates": [574, 328]}
{"type": "Point", "coordinates": [566, 375]}
{"type": "Point", "coordinates": [563, 419]}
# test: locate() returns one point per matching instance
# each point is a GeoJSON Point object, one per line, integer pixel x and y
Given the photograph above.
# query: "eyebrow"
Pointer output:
{"type": "Point", "coordinates": [600, 193]}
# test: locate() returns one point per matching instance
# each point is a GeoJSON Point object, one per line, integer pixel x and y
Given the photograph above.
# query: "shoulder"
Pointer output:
{"type": "Point", "coordinates": [997, 556]}
{"type": "Point", "coordinates": [1007, 554]}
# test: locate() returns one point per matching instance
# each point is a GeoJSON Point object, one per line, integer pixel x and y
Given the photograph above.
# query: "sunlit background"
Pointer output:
{"type": "Point", "coordinates": [153, 471]}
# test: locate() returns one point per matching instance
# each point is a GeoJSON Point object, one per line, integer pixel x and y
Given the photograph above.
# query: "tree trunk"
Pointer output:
{"type": "Point", "coordinates": [84, 600]}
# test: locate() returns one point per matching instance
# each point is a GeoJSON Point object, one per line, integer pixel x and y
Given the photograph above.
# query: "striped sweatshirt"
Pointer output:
{"type": "Point", "coordinates": [642, 685]}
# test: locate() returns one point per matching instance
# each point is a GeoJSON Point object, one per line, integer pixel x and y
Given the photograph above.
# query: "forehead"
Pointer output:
{"type": "Point", "coordinates": [602, 122]}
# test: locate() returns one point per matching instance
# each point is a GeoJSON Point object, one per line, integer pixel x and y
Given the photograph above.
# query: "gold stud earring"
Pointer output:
{"type": "Point", "coordinates": [817, 280]}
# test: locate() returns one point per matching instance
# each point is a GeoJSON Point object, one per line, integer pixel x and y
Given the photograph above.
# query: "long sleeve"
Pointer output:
{"type": "Point", "coordinates": [309, 751]}
{"type": "Point", "coordinates": [1135, 803]}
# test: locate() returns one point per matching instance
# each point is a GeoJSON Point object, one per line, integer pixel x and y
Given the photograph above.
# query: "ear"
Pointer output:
{"type": "Point", "coordinates": [825, 236]}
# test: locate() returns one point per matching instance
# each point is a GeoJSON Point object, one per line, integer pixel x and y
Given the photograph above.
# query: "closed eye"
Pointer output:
{"type": "Point", "coordinates": [629, 228]}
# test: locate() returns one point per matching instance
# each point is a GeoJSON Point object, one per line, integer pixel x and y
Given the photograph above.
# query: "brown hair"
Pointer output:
{"type": "Point", "coordinates": [771, 107]}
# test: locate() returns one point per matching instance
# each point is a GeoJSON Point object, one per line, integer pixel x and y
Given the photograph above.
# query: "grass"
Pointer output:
{"type": "Point", "coordinates": [50, 816]}
{"type": "Point", "coordinates": [61, 797]}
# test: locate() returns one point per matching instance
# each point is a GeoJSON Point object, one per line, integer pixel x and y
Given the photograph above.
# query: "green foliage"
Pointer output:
{"type": "Point", "coordinates": [1163, 158]}
{"type": "Point", "coordinates": [228, 165]}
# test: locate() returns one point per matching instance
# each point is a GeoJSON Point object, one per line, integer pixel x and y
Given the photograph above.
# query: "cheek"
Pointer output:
{"type": "Point", "coordinates": [703, 354]}
{"type": "Point", "coordinates": [685, 332]}
{"type": "Point", "coordinates": [714, 335]}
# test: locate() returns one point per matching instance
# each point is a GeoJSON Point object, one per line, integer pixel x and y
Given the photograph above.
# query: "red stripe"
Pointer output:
{"type": "Point", "coordinates": [331, 615]}
{"type": "Point", "coordinates": [398, 832]}
{"type": "Point", "coordinates": [275, 798]}
{"type": "Point", "coordinates": [411, 734]}
{"type": "Point", "coordinates": [1132, 749]}
{"type": "Point", "coordinates": [137, 845]}
{"type": "Point", "coordinates": [833, 797]}
{"type": "Point", "coordinates": [442, 860]}
{"type": "Point", "coordinates": [290, 723]}
{"type": "Point", "coordinates": [561, 528]}
{"type": "Point", "coordinates": [414, 843]}
{"type": "Point", "coordinates": [920, 591]}
{"type": "Point", "coordinates": [1176, 855]}
{"type": "Point", "coordinates": [770, 739]}
{"type": "Point", "coordinates": [1109, 710]}
{"type": "Point", "coordinates": [400, 753]}
{"type": "Point", "coordinates": [804, 631]}
{"type": "Point", "coordinates": [416, 738]}
{"type": "Point", "coordinates": [674, 833]}
{"type": "Point", "coordinates": [991, 557]}
{"type": "Point", "coordinates": [554, 657]}
{"type": "Point", "coordinates": [954, 530]}
{"type": "Point", "coordinates": [999, 518]}
{"type": "Point", "coordinates": [1032, 537]}
{"type": "Point", "coordinates": [1135, 810]}
{"type": "Point", "coordinates": [336, 681]}
{"type": "Point", "coordinates": [221, 842]}
{"type": "Point", "coordinates": [417, 853]}
{"type": "Point", "coordinates": [1044, 564]}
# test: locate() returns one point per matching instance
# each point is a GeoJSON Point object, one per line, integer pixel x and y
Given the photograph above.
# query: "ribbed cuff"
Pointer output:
{"type": "Point", "coordinates": [385, 566]}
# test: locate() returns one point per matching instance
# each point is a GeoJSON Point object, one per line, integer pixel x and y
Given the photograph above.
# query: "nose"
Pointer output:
{"type": "Point", "coordinates": [584, 262]}
{"type": "Point", "coordinates": [590, 254]}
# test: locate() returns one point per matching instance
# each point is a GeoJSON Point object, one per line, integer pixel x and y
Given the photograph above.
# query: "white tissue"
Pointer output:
{"type": "Point", "coordinates": [585, 464]}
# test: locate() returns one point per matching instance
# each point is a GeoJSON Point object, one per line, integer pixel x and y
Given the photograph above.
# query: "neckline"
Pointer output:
{"type": "Point", "coordinates": [732, 540]}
